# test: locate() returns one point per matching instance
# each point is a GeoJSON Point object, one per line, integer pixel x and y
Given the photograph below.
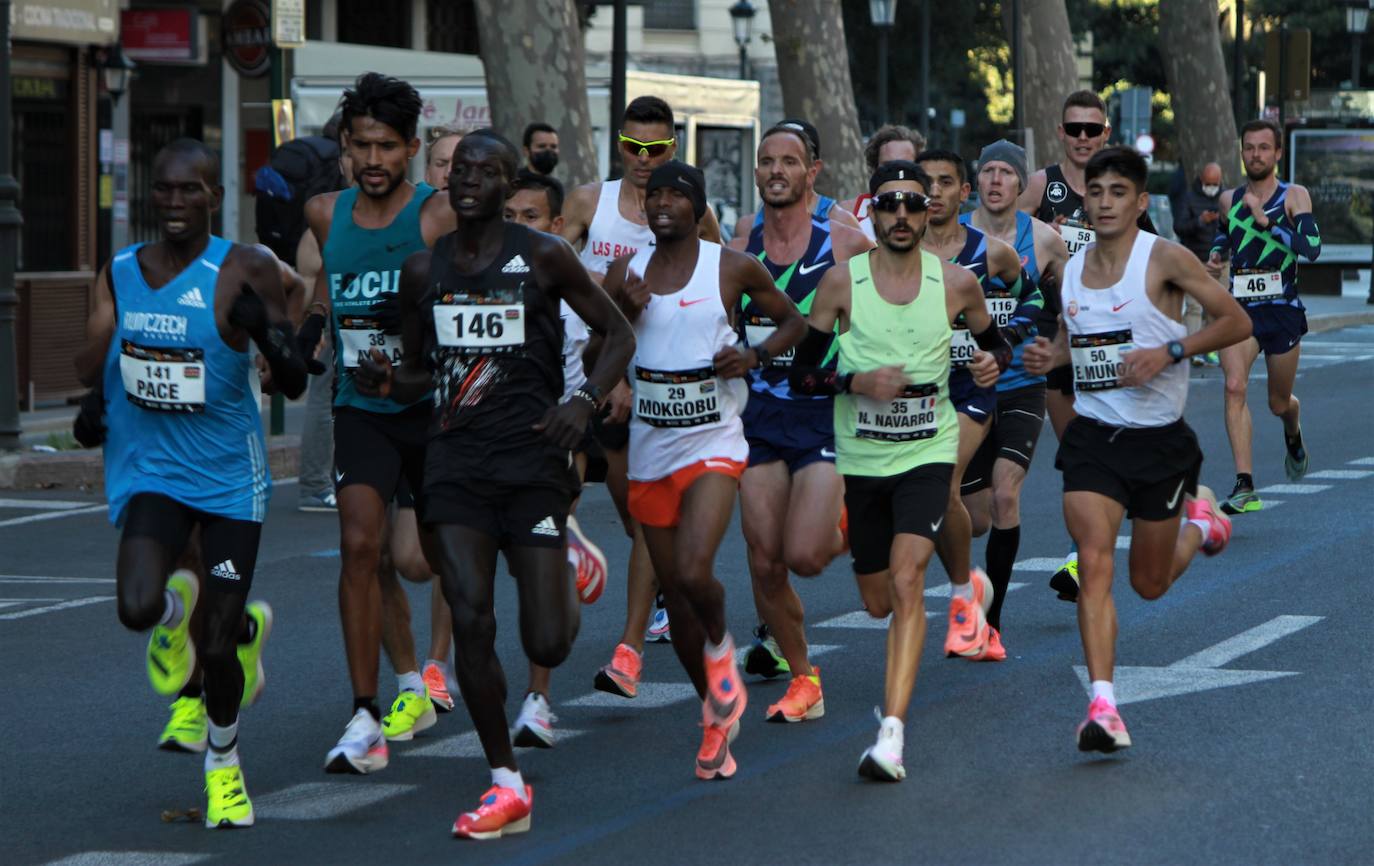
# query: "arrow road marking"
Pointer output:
{"type": "Point", "coordinates": [1201, 671]}
{"type": "Point", "coordinates": [312, 801]}
{"type": "Point", "coordinates": [467, 744]}
{"type": "Point", "coordinates": [1296, 489]}
{"type": "Point", "coordinates": [1363, 461]}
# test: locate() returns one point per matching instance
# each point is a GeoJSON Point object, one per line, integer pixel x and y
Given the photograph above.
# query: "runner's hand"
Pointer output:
{"type": "Point", "coordinates": [620, 402]}
{"type": "Point", "coordinates": [884, 383]}
{"type": "Point", "coordinates": [1213, 265]}
{"type": "Point", "coordinates": [565, 424]}
{"type": "Point", "coordinates": [264, 375]}
{"type": "Point", "coordinates": [1256, 205]}
{"type": "Point", "coordinates": [89, 427]}
{"type": "Point", "coordinates": [373, 375]}
{"type": "Point", "coordinates": [1038, 357]}
{"type": "Point", "coordinates": [984, 369]}
{"type": "Point", "coordinates": [637, 293]}
{"type": "Point", "coordinates": [1141, 365]}
{"type": "Point", "coordinates": [731, 362]}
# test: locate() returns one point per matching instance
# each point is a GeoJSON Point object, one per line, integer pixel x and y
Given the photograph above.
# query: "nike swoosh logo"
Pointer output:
{"type": "Point", "coordinates": [935, 527]}
{"type": "Point", "coordinates": [718, 464]}
{"type": "Point", "coordinates": [391, 248]}
{"type": "Point", "coordinates": [975, 409]}
{"type": "Point", "coordinates": [803, 270]}
{"type": "Point", "coordinates": [1174, 499]}
{"type": "Point", "coordinates": [338, 476]}
{"type": "Point", "coordinates": [828, 454]}
{"type": "Point", "coordinates": [683, 302]}
{"type": "Point", "coordinates": [1117, 308]}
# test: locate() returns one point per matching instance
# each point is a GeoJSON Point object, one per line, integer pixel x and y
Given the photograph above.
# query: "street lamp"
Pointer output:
{"type": "Point", "coordinates": [742, 18]}
{"type": "Point", "coordinates": [116, 70]}
{"type": "Point", "coordinates": [882, 13]}
{"type": "Point", "coordinates": [10, 220]}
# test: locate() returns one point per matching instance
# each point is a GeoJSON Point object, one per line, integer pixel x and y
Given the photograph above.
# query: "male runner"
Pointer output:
{"type": "Point", "coordinates": [687, 445]}
{"type": "Point", "coordinates": [1054, 195]}
{"type": "Point", "coordinates": [993, 478]}
{"type": "Point", "coordinates": [606, 221]}
{"type": "Point", "coordinates": [822, 206]}
{"type": "Point", "coordinates": [365, 233]}
{"type": "Point", "coordinates": [440, 142]}
{"type": "Point", "coordinates": [481, 311]}
{"type": "Point", "coordinates": [1128, 452]}
{"type": "Point", "coordinates": [168, 336]}
{"type": "Point", "coordinates": [1012, 302]}
{"type": "Point", "coordinates": [1268, 224]}
{"type": "Point", "coordinates": [891, 142]}
{"type": "Point", "coordinates": [895, 431]}
{"type": "Point", "coordinates": [791, 498]}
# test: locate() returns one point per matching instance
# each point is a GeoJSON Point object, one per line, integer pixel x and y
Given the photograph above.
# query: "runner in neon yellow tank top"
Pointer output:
{"type": "Point", "coordinates": [895, 431]}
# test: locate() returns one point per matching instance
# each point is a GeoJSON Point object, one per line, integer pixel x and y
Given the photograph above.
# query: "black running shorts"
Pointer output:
{"type": "Point", "coordinates": [1020, 418]}
{"type": "Point", "coordinates": [515, 515]}
{"type": "Point", "coordinates": [881, 507]}
{"type": "Point", "coordinates": [1148, 469]}
{"type": "Point", "coordinates": [381, 450]}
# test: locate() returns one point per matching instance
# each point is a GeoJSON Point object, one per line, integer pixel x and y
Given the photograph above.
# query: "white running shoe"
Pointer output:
{"type": "Point", "coordinates": [534, 727]}
{"type": "Point", "coordinates": [658, 631]}
{"type": "Point", "coordinates": [882, 761]}
{"type": "Point", "coordinates": [361, 749]}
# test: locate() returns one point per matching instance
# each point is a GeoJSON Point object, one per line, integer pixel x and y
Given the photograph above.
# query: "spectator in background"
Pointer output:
{"type": "Point", "coordinates": [541, 147]}
{"type": "Point", "coordinates": [440, 143]}
{"type": "Point", "coordinates": [1196, 212]}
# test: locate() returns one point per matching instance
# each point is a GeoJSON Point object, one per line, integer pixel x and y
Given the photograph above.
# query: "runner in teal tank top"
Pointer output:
{"type": "Point", "coordinates": [895, 431]}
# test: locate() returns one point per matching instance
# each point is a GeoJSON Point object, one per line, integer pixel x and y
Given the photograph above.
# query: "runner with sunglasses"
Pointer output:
{"type": "Point", "coordinates": [1013, 302]}
{"type": "Point", "coordinates": [791, 498]}
{"type": "Point", "coordinates": [895, 430]}
{"type": "Point", "coordinates": [606, 220]}
{"type": "Point", "coordinates": [1055, 196]}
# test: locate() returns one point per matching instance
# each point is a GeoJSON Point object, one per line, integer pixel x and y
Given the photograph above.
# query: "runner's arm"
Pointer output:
{"type": "Point", "coordinates": [994, 354]}
{"type": "Point", "coordinates": [743, 226]}
{"type": "Point", "coordinates": [748, 276]}
{"type": "Point", "coordinates": [259, 310]}
{"type": "Point", "coordinates": [848, 242]}
{"type": "Point", "coordinates": [1304, 238]}
{"type": "Point", "coordinates": [577, 213]}
{"type": "Point", "coordinates": [709, 227]}
{"type": "Point", "coordinates": [807, 376]}
{"type": "Point", "coordinates": [318, 214]}
{"type": "Point", "coordinates": [437, 218]}
{"type": "Point", "coordinates": [410, 380]}
{"type": "Point", "coordinates": [100, 329]}
{"type": "Point", "coordinates": [1006, 269]}
{"type": "Point", "coordinates": [1029, 199]}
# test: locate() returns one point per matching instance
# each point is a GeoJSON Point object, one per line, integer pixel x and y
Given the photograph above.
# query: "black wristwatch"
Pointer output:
{"type": "Point", "coordinates": [765, 358]}
{"type": "Point", "coordinates": [1176, 350]}
{"type": "Point", "coordinates": [591, 392]}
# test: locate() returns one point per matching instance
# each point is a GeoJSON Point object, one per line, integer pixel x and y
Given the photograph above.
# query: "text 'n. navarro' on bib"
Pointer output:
{"type": "Point", "coordinates": [476, 326]}
{"type": "Point", "coordinates": [1256, 284]}
{"type": "Point", "coordinates": [908, 417]}
{"type": "Point", "coordinates": [168, 380]}
{"type": "Point", "coordinates": [359, 335]}
{"type": "Point", "coordinates": [677, 398]}
{"type": "Point", "coordinates": [1097, 359]}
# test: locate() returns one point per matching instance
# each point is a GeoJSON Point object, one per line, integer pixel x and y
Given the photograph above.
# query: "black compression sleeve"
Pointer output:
{"type": "Point", "coordinates": [991, 340]}
{"type": "Point", "coordinates": [807, 376]}
{"type": "Point", "coordinates": [287, 365]}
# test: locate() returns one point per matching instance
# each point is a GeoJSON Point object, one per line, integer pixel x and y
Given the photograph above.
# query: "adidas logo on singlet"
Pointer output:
{"type": "Point", "coordinates": [516, 266]}
{"type": "Point", "coordinates": [545, 526]}
{"type": "Point", "coordinates": [225, 571]}
{"type": "Point", "coordinates": [192, 298]}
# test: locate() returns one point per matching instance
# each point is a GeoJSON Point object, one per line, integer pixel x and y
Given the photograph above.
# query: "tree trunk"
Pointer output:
{"type": "Point", "coordinates": [813, 66]}
{"type": "Point", "coordinates": [1047, 63]}
{"type": "Point", "coordinates": [1205, 125]}
{"type": "Point", "coordinates": [535, 68]}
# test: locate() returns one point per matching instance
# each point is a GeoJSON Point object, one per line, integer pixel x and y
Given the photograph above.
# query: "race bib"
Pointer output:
{"type": "Point", "coordinates": [908, 417]}
{"type": "Point", "coordinates": [760, 328]}
{"type": "Point", "coordinates": [1097, 359]}
{"type": "Point", "coordinates": [1001, 308]}
{"type": "Point", "coordinates": [1252, 284]}
{"type": "Point", "coordinates": [1076, 237]}
{"type": "Point", "coordinates": [168, 380]}
{"type": "Point", "coordinates": [677, 398]}
{"type": "Point", "coordinates": [358, 336]}
{"type": "Point", "coordinates": [480, 329]}
{"type": "Point", "coordinates": [961, 345]}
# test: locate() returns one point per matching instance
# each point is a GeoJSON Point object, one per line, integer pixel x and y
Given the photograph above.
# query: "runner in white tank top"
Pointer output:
{"type": "Point", "coordinates": [687, 447]}
{"type": "Point", "coordinates": [1129, 453]}
{"type": "Point", "coordinates": [610, 235]}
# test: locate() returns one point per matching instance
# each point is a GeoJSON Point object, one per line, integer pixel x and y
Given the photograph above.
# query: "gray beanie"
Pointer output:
{"type": "Point", "coordinates": [1004, 151]}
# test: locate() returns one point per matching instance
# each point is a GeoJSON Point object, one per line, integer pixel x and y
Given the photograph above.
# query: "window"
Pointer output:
{"type": "Point", "coordinates": [43, 166]}
{"type": "Point", "coordinates": [670, 14]}
{"type": "Point", "coordinates": [451, 26]}
{"type": "Point", "coordinates": [368, 22]}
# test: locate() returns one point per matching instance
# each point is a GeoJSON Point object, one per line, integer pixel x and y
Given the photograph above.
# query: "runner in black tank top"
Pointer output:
{"type": "Point", "coordinates": [480, 324]}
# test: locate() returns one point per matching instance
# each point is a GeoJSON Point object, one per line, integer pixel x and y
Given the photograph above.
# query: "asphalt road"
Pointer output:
{"type": "Point", "coordinates": [1244, 690]}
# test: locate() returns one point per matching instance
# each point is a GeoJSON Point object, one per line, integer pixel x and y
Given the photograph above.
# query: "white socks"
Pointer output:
{"type": "Point", "coordinates": [962, 590]}
{"type": "Point", "coordinates": [716, 652]}
{"type": "Point", "coordinates": [172, 611]}
{"type": "Point", "coordinates": [893, 729]}
{"type": "Point", "coordinates": [1203, 526]}
{"type": "Point", "coordinates": [504, 778]}
{"type": "Point", "coordinates": [224, 747]}
{"type": "Point", "coordinates": [1103, 689]}
{"type": "Point", "coordinates": [411, 682]}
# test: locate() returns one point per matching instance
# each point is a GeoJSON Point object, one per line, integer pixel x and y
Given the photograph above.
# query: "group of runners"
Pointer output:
{"type": "Point", "coordinates": [868, 376]}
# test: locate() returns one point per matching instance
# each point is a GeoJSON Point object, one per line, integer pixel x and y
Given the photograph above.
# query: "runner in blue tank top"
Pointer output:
{"type": "Point", "coordinates": [790, 496]}
{"type": "Point", "coordinates": [993, 479]}
{"type": "Point", "coordinates": [1013, 302]}
{"type": "Point", "coordinates": [1268, 224]}
{"type": "Point", "coordinates": [168, 337]}
{"type": "Point", "coordinates": [365, 233]}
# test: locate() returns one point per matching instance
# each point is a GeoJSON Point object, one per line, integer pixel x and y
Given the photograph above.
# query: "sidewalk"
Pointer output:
{"type": "Point", "coordinates": [84, 470]}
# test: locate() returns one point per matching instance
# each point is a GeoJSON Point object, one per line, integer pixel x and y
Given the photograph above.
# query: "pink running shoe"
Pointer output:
{"type": "Point", "coordinates": [1102, 730]}
{"type": "Point", "coordinates": [1204, 507]}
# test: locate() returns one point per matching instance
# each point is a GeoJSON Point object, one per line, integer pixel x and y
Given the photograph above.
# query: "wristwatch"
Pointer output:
{"type": "Point", "coordinates": [765, 358]}
{"type": "Point", "coordinates": [593, 392]}
{"type": "Point", "coordinates": [1176, 350]}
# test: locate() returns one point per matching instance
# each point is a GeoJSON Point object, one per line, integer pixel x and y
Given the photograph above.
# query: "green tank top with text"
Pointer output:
{"type": "Point", "coordinates": [882, 438]}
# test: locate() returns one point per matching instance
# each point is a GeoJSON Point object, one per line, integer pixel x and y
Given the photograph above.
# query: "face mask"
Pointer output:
{"type": "Point", "coordinates": [1211, 190]}
{"type": "Point", "coordinates": [544, 161]}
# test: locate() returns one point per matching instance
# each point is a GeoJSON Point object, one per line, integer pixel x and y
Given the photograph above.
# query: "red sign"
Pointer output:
{"type": "Point", "coordinates": [165, 35]}
{"type": "Point", "coordinates": [248, 37]}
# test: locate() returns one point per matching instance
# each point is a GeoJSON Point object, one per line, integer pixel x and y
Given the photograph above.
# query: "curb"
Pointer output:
{"type": "Point", "coordinates": [85, 470]}
{"type": "Point", "coordinates": [1335, 321]}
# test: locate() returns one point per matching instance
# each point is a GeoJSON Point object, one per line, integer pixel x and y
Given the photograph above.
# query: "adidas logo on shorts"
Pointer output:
{"type": "Point", "coordinates": [516, 266]}
{"type": "Point", "coordinates": [192, 298]}
{"type": "Point", "coordinates": [545, 527]}
{"type": "Point", "coordinates": [225, 571]}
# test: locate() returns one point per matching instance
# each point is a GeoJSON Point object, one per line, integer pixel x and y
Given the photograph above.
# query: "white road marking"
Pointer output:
{"type": "Point", "coordinates": [1341, 474]}
{"type": "Point", "coordinates": [314, 801]}
{"type": "Point", "coordinates": [1039, 563]}
{"type": "Point", "coordinates": [651, 696]}
{"type": "Point", "coordinates": [942, 591]}
{"type": "Point", "coordinates": [467, 745]}
{"type": "Point", "coordinates": [42, 504]}
{"type": "Point", "coordinates": [52, 515]}
{"type": "Point", "coordinates": [1294, 489]}
{"type": "Point", "coordinates": [15, 602]}
{"type": "Point", "coordinates": [39, 578]}
{"type": "Point", "coordinates": [1363, 461]}
{"type": "Point", "coordinates": [1247, 642]}
{"type": "Point", "coordinates": [855, 619]}
{"type": "Point", "coordinates": [76, 602]}
{"type": "Point", "coordinates": [129, 858]}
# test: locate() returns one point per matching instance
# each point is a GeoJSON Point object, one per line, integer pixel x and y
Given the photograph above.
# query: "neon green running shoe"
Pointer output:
{"type": "Point", "coordinates": [171, 655]}
{"type": "Point", "coordinates": [250, 654]}
{"type": "Point", "coordinates": [764, 658]}
{"type": "Point", "coordinates": [229, 806]}
{"type": "Point", "coordinates": [411, 713]}
{"type": "Point", "coordinates": [1065, 580]}
{"type": "Point", "coordinates": [186, 731]}
{"type": "Point", "coordinates": [1242, 501]}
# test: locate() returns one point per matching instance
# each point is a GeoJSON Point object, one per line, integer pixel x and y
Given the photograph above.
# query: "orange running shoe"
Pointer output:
{"type": "Point", "coordinates": [714, 760]}
{"type": "Point", "coordinates": [802, 702]}
{"type": "Point", "coordinates": [993, 651]}
{"type": "Point", "coordinates": [589, 562]}
{"type": "Point", "coordinates": [725, 695]}
{"type": "Point", "coordinates": [968, 627]}
{"type": "Point", "coordinates": [500, 812]}
{"type": "Point", "coordinates": [438, 688]}
{"type": "Point", "coordinates": [621, 676]}
{"type": "Point", "coordinates": [844, 528]}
